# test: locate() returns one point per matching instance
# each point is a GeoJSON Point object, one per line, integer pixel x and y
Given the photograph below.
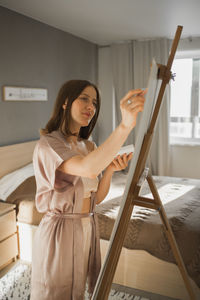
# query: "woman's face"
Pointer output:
{"type": "Point", "coordinates": [83, 109]}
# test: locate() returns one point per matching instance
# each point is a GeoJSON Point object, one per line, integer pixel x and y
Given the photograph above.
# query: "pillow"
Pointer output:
{"type": "Point", "coordinates": [27, 212]}
{"type": "Point", "coordinates": [19, 182]}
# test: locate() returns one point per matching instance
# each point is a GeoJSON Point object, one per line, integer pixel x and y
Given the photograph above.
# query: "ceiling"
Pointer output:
{"type": "Point", "coordinates": [108, 21]}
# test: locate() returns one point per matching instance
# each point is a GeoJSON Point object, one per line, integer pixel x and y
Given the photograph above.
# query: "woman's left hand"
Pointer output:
{"type": "Point", "coordinates": [120, 162]}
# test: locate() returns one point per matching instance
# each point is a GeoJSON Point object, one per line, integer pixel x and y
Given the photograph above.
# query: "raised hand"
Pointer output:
{"type": "Point", "coordinates": [131, 105]}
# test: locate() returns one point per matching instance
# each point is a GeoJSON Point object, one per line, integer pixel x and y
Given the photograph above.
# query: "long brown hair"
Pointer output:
{"type": "Point", "coordinates": [60, 118]}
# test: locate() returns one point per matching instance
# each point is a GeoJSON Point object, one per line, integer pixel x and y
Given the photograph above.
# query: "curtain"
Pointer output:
{"type": "Point", "coordinates": [122, 74]}
{"type": "Point", "coordinates": [143, 52]}
{"type": "Point", "coordinates": [130, 64]}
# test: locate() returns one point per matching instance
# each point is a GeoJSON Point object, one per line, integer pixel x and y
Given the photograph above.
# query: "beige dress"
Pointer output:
{"type": "Point", "coordinates": [66, 248]}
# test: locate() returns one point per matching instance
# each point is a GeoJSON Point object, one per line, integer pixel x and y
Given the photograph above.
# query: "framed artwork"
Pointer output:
{"type": "Point", "coordinates": [11, 93]}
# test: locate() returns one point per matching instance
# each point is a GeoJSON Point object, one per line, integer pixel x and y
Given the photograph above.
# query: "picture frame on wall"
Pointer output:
{"type": "Point", "coordinates": [12, 93]}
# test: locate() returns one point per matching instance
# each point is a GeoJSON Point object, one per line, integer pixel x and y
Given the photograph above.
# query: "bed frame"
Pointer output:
{"type": "Point", "coordinates": [136, 268]}
{"type": "Point", "coordinates": [15, 156]}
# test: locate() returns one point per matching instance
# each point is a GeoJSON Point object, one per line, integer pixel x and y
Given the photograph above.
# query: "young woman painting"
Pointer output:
{"type": "Point", "coordinates": [67, 168]}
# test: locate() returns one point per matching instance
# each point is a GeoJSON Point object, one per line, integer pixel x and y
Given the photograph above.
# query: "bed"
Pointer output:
{"type": "Point", "coordinates": [146, 261]}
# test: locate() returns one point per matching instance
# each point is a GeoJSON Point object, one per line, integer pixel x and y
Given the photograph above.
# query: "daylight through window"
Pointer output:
{"type": "Point", "coordinates": [185, 101]}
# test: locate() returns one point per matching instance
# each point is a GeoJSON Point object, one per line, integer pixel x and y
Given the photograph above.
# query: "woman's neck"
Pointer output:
{"type": "Point", "coordinates": [72, 138]}
{"type": "Point", "coordinates": [75, 134]}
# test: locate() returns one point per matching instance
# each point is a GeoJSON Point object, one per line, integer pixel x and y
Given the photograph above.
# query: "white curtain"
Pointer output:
{"type": "Point", "coordinates": [122, 74]}
{"type": "Point", "coordinates": [130, 69]}
{"type": "Point", "coordinates": [143, 52]}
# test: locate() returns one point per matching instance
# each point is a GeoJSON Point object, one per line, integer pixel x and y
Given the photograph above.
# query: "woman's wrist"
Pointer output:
{"type": "Point", "coordinates": [124, 129]}
{"type": "Point", "coordinates": [109, 170]}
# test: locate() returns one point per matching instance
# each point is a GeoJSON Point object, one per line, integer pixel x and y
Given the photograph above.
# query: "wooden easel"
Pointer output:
{"type": "Point", "coordinates": [133, 198]}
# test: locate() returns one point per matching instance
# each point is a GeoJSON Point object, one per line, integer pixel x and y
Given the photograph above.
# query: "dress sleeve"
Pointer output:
{"type": "Point", "coordinates": [49, 154]}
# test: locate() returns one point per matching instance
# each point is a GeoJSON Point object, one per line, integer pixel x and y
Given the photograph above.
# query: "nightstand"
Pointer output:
{"type": "Point", "coordinates": [8, 234]}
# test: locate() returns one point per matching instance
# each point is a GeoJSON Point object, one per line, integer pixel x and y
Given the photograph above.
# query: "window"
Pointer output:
{"type": "Point", "coordinates": [185, 101]}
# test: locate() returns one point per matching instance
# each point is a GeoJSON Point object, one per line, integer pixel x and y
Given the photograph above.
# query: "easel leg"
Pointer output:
{"type": "Point", "coordinates": [171, 238]}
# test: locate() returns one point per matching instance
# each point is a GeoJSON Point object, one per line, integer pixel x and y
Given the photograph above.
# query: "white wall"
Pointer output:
{"type": "Point", "coordinates": [185, 159]}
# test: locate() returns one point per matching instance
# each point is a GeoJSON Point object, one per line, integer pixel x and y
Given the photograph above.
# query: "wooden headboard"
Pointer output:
{"type": "Point", "coordinates": [15, 156]}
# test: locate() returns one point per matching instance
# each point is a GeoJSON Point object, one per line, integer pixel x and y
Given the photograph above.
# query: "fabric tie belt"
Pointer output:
{"type": "Point", "coordinates": [94, 263]}
{"type": "Point", "coordinates": [70, 215]}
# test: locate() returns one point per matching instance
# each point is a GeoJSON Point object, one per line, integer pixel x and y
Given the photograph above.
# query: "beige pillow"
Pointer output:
{"type": "Point", "coordinates": [27, 213]}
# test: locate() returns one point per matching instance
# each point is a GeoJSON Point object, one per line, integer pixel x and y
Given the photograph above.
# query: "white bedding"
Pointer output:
{"type": "Point", "coordinates": [16, 178]}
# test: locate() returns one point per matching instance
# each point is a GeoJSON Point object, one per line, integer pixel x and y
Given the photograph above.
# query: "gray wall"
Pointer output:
{"type": "Point", "coordinates": [33, 54]}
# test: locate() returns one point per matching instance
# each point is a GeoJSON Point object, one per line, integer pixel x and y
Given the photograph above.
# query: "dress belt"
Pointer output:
{"type": "Point", "coordinates": [69, 215]}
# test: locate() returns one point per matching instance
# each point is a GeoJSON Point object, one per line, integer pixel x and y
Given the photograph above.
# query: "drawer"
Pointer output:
{"type": "Point", "coordinates": [7, 224]}
{"type": "Point", "coordinates": [8, 249]}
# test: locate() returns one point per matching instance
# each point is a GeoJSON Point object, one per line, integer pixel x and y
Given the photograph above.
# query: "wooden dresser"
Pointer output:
{"type": "Point", "coordinates": [8, 234]}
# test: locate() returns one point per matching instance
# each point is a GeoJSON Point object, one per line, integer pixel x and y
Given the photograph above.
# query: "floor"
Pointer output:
{"type": "Point", "coordinates": [117, 287]}
{"type": "Point", "coordinates": [7, 268]}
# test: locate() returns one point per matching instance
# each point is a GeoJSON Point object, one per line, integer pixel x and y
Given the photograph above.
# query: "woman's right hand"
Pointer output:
{"type": "Point", "coordinates": [131, 105]}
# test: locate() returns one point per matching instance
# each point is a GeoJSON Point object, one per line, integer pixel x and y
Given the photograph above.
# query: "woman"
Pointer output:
{"type": "Point", "coordinates": [66, 248]}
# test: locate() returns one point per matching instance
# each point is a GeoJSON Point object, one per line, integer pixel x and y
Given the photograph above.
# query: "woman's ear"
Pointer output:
{"type": "Point", "coordinates": [64, 105]}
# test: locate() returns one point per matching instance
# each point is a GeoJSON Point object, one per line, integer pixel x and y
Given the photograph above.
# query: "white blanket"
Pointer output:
{"type": "Point", "coordinates": [11, 181]}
